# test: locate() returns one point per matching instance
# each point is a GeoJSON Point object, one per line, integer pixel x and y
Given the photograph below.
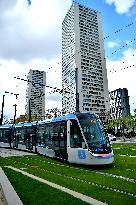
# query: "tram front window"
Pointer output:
{"type": "Point", "coordinates": [94, 133]}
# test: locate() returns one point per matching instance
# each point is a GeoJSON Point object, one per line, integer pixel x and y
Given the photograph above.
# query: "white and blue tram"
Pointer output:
{"type": "Point", "coordinates": [78, 138]}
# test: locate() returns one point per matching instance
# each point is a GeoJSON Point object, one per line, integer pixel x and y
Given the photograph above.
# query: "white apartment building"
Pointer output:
{"type": "Point", "coordinates": [35, 93]}
{"type": "Point", "coordinates": [83, 49]}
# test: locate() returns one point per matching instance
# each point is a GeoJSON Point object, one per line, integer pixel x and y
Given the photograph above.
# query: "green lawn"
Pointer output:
{"type": "Point", "coordinates": [32, 192]}
{"type": "Point", "coordinates": [114, 184]}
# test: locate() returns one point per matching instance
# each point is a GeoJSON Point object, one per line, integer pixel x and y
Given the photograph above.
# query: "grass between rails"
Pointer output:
{"type": "Point", "coordinates": [123, 146]}
{"type": "Point", "coordinates": [32, 192]}
{"type": "Point", "coordinates": [122, 166]}
{"type": "Point", "coordinates": [41, 166]}
{"type": "Point", "coordinates": [124, 149]}
{"type": "Point", "coordinates": [96, 192]}
{"type": "Point", "coordinates": [44, 166]}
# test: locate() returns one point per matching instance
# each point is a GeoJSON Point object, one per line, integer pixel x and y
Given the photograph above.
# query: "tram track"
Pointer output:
{"type": "Point", "coordinates": [90, 170]}
{"type": "Point", "coordinates": [98, 185]}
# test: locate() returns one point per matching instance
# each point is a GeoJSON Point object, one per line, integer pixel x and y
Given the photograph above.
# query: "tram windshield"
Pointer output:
{"type": "Point", "coordinates": [94, 133]}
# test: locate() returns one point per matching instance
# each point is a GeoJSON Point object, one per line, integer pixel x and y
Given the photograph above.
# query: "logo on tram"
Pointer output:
{"type": "Point", "coordinates": [81, 154]}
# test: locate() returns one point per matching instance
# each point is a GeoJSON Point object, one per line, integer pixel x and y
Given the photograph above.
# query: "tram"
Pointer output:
{"type": "Point", "coordinates": [77, 138]}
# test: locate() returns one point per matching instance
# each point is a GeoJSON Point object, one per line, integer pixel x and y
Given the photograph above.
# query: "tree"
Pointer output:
{"type": "Point", "coordinates": [5, 120]}
{"type": "Point", "coordinates": [25, 118]}
{"type": "Point", "coordinates": [122, 124]}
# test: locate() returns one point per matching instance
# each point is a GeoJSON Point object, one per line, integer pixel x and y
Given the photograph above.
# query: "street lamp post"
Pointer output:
{"type": "Point", "coordinates": [1, 120]}
{"type": "Point", "coordinates": [15, 113]}
{"type": "Point", "coordinates": [30, 110]}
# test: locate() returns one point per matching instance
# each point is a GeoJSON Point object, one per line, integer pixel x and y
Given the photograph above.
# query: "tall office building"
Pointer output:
{"type": "Point", "coordinates": [35, 93]}
{"type": "Point", "coordinates": [119, 103]}
{"type": "Point", "coordinates": [84, 74]}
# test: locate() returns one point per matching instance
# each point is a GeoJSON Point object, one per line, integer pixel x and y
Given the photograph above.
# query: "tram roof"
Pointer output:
{"type": "Point", "coordinates": [66, 117]}
{"type": "Point", "coordinates": [54, 119]}
{"type": "Point", "coordinates": [6, 126]}
{"type": "Point", "coordinates": [60, 118]}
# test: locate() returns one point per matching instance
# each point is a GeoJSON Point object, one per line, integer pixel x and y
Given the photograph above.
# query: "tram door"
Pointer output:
{"type": "Point", "coordinates": [15, 140]}
{"type": "Point", "coordinates": [30, 137]}
{"type": "Point", "coordinates": [60, 140]}
{"type": "Point", "coordinates": [17, 137]}
{"type": "Point", "coordinates": [76, 147]}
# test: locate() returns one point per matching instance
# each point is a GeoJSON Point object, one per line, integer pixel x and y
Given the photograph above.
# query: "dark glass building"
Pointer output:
{"type": "Point", "coordinates": [119, 103]}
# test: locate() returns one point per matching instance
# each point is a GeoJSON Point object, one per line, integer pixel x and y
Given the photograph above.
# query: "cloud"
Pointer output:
{"type": "Point", "coordinates": [30, 39]}
{"type": "Point", "coordinates": [121, 6]}
{"type": "Point", "coordinates": [34, 31]}
{"type": "Point", "coordinates": [6, 5]}
{"type": "Point", "coordinates": [123, 78]}
{"type": "Point", "coordinates": [112, 44]}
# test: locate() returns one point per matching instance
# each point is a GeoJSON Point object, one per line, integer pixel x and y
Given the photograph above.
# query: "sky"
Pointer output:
{"type": "Point", "coordinates": [30, 38]}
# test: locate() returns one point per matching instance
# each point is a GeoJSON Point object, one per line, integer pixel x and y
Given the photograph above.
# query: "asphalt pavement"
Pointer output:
{"type": "Point", "coordinates": [131, 140]}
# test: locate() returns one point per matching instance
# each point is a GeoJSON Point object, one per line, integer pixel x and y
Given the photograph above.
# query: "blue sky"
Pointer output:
{"type": "Point", "coordinates": [30, 38]}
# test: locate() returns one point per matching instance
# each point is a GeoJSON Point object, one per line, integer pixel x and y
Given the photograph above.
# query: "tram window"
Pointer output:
{"type": "Point", "coordinates": [59, 135]}
{"type": "Point", "coordinates": [52, 135]}
{"type": "Point", "coordinates": [91, 133]}
{"type": "Point", "coordinates": [20, 135]}
{"type": "Point", "coordinates": [1, 136]}
{"type": "Point", "coordinates": [5, 134]}
{"type": "Point", "coordinates": [45, 135]}
{"type": "Point", "coordinates": [76, 139]}
{"type": "Point", "coordinates": [41, 135]}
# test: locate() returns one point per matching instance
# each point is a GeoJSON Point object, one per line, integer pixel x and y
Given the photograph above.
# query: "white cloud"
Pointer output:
{"type": "Point", "coordinates": [121, 6]}
{"type": "Point", "coordinates": [30, 39]}
{"type": "Point", "coordinates": [112, 44]}
{"type": "Point", "coordinates": [123, 78]}
{"type": "Point", "coordinates": [32, 31]}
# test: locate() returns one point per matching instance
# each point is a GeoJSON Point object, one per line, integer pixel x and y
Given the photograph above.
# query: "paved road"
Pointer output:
{"type": "Point", "coordinates": [126, 140]}
{"type": "Point", "coordinates": [11, 152]}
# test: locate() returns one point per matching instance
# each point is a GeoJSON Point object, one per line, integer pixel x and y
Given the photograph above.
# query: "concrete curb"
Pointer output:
{"type": "Point", "coordinates": [11, 197]}
{"type": "Point", "coordinates": [2, 197]}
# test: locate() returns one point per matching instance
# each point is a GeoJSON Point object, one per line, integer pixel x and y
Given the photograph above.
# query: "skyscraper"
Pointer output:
{"type": "Point", "coordinates": [35, 93]}
{"type": "Point", "coordinates": [84, 74]}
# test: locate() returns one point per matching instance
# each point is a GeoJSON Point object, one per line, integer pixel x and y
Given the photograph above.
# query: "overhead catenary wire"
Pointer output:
{"type": "Point", "coordinates": [43, 94]}
{"type": "Point", "coordinates": [34, 84]}
{"type": "Point", "coordinates": [116, 32]}
{"type": "Point", "coordinates": [111, 71]}
{"type": "Point", "coordinates": [121, 29]}
{"type": "Point", "coordinates": [114, 52]}
{"type": "Point", "coordinates": [126, 44]}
